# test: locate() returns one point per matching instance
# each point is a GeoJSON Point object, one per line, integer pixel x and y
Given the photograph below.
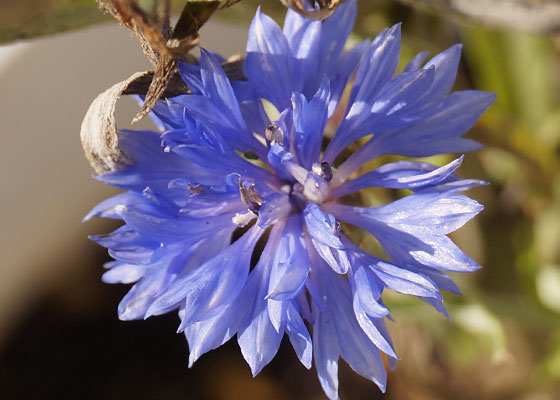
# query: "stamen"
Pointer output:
{"type": "Point", "coordinates": [327, 171]}
{"type": "Point", "coordinates": [242, 220]}
{"type": "Point", "coordinates": [250, 197]}
{"type": "Point", "coordinates": [324, 170]}
{"type": "Point", "coordinates": [337, 226]}
{"type": "Point", "coordinates": [195, 188]}
{"type": "Point", "coordinates": [274, 134]}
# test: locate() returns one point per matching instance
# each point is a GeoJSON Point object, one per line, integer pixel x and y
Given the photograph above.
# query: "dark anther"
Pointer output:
{"type": "Point", "coordinates": [326, 171]}
{"type": "Point", "coordinates": [297, 187]}
{"type": "Point", "coordinates": [338, 226]}
{"type": "Point", "coordinates": [250, 197]}
{"type": "Point", "coordinates": [195, 188]}
{"type": "Point", "coordinates": [274, 134]}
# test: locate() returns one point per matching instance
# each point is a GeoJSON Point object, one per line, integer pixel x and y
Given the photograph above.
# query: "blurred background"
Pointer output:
{"type": "Point", "coordinates": [59, 332]}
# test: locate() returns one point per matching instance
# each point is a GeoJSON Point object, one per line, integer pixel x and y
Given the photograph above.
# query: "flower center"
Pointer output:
{"type": "Point", "coordinates": [301, 185]}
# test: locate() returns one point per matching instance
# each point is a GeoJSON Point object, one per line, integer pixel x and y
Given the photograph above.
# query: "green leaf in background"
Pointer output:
{"type": "Point", "coordinates": [33, 18]}
{"type": "Point", "coordinates": [548, 286]}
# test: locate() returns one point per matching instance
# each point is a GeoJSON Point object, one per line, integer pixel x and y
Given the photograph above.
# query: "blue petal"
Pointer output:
{"type": "Point", "coordinates": [171, 227]}
{"type": "Point", "coordinates": [161, 274]}
{"type": "Point", "coordinates": [135, 303]}
{"type": "Point", "coordinates": [153, 167]}
{"type": "Point", "coordinates": [299, 335]}
{"type": "Point", "coordinates": [376, 69]}
{"type": "Point", "coordinates": [305, 47]}
{"type": "Point", "coordinates": [356, 347]}
{"type": "Point", "coordinates": [294, 23]}
{"type": "Point", "coordinates": [428, 211]}
{"type": "Point", "coordinates": [219, 106]}
{"type": "Point", "coordinates": [367, 289]}
{"type": "Point", "coordinates": [274, 208]}
{"type": "Point", "coordinates": [336, 259]}
{"type": "Point", "coordinates": [277, 157]}
{"type": "Point", "coordinates": [441, 279]}
{"type": "Point", "coordinates": [387, 111]}
{"type": "Point", "coordinates": [326, 348]}
{"type": "Point", "coordinates": [138, 253]}
{"type": "Point", "coordinates": [416, 62]}
{"type": "Point", "coordinates": [336, 31]}
{"type": "Point", "coordinates": [255, 116]}
{"type": "Point", "coordinates": [191, 75]}
{"type": "Point", "coordinates": [211, 333]}
{"type": "Point", "coordinates": [258, 339]}
{"type": "Point", "coordinates": [342, 70]}
{"type": "Point", "coordinates": [211, 286]}
{"type": "Point", "coordinates": [399, 279]}
{"type": "Point", "coordinates": [291, 262]}
{"type": "Point", "coordinates": [377, 66]}
{"type": "Point", "coordinates": [352, 322]}
{"type": "Point", "coordinates": [303, 304]}
{"type": "Point", "coordinates": [268, 61]}
{"type": "Point", "coordinates": [399, 175]}
{"type": "Point", "coordinates": [217, 86]}
{"type": "Point", "coordinates": [446, 64]}
{"type": "Point", "coordinates": [372, 328]}
{"type": "Point", "coordinates": [124, 238]}
{"type": "Point", "coordinates": [321, 226]}
{"type": "Point", "coordinates": [412, 230]}
{"type": "Point", "coordinates": [310, 119]}
{"type": "Point", "coordinates": [318, 50]}
{"type": "Point", "coordinates": [213, 116]}
{"type": "Point", "coordinates": [285, 315]}
{"type": "Point", "coordinates": [439, 133]}
{"type": "Point", "coordinates": [165, 114]}
{"type": "Point", "coordinates": [223, 164]}
{"type": "Point", "coordinates": [106, 209]}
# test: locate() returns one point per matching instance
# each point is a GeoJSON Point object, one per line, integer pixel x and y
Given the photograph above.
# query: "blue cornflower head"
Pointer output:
{"type": "Point", "coordinates": [235, 218]}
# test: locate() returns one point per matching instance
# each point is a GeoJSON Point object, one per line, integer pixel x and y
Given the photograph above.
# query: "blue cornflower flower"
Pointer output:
{"type": "Point", "coordinates": [235, 220]}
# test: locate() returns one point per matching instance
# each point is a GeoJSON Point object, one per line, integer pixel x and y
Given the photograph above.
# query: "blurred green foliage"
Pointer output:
{"type": "Point", "coordinates": [505, 339]}
{"type": "Point", "coordinates": [504, 342]}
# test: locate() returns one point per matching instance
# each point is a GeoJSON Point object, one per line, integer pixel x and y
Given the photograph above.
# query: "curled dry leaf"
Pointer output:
{"type": "Point", "coordinates": [149, 20]}
{"type": "Point", "coordinates": [141, 85]}
{"type": "Point", "coordinates": [326, 8]}
{"type": "Point", "coordinates": [99, 133]}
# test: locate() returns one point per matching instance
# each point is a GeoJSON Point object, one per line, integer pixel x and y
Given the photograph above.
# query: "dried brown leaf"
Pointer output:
{"type": "Point", "coordinates": [149, 20]}
{"type": "Point", "coordinates": [140, 86]}
{"type": "Point", "coordinates": [165, 70]}
{"type": "Point", "coordinates": [99, 130]}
